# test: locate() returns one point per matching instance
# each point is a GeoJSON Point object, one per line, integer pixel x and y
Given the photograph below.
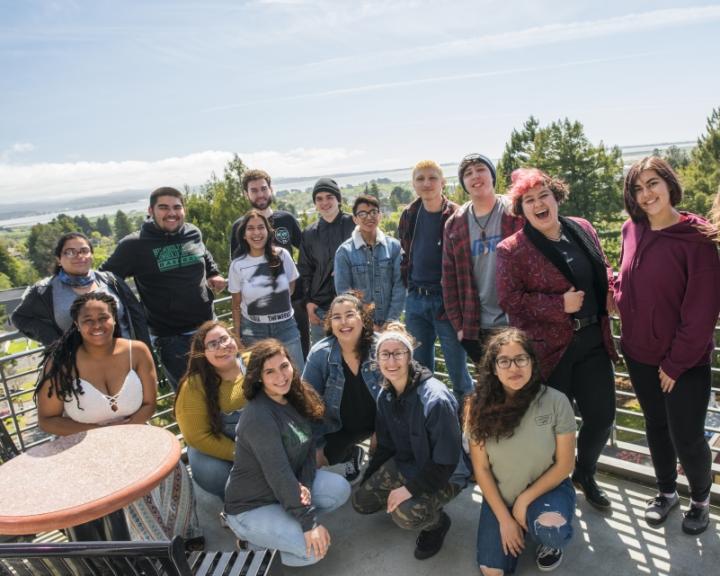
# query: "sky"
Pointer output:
{"type": "Point", "coordinates": [99, 96]}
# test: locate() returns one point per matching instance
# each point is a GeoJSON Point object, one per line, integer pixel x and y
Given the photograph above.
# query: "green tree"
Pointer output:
{"type": "Point", "coordinates": [701, 177]}
{"type": "Point", "coordinates": [42, 239]}
{"type": "Point", "coordinates": [102, 225]}
{"type": "Point", "coordinates": [8, 265]}
{"type": "Point", "coordinates": [122, 225]}
{"type": "Point", "coordinates": [374, 190]}
{"type": "Point", "coordinates": [399, 196]}
{"type": "Point", "coordinates": [678, 158]}
{"type": "Point", "coordinates": [83, 224]}
{"type": "Point", "coordinates": [593, 173]}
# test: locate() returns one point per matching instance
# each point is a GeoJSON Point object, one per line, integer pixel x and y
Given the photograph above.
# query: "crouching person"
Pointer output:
{"type": "Point", "coordinates": [274, 493]}
{"type": "Point", "coordinates": [418, 446]}
{"type": "Point", "coordinates": [522, 446]}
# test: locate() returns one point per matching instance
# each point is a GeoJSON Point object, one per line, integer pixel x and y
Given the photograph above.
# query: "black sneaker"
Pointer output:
{"type": "Point", "coordinates": [696, 519]}
{"type": "Point", "coordinates": [593, 494]}
{"type": "Point", "coordinates": [352, 466]}
{"type": "Point", "coordinates": [430, 541]}
{"type": "Point", "coordinates": [547, 558]}
{"type": "Point", "coordinates": [658, 508]}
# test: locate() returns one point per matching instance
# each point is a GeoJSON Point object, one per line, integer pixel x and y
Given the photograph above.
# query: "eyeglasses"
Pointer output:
{"type": "Point", "coordinates": [218, 343]}
{"type": "Point", "coordinates": [521, 361]}
{"type": "Point", "coordinates": [398, 355]}
{"type": "Point", "coordinates": [365, 214]}
{"type": "Point", "coordinates": [72, 252]}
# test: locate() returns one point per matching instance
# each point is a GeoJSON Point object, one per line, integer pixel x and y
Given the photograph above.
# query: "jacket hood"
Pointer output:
{"type": "Point", "coordinates": [419, 375]}
{"type": "Point", "coordinates": [689, 229]}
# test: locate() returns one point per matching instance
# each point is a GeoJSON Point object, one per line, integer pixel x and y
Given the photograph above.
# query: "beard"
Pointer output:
{"type": "Point", "coordinates": [262, 205]}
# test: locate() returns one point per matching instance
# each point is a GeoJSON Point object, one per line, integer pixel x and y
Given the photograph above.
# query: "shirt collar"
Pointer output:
{"type": "Point", "coordinates": [359, 242]}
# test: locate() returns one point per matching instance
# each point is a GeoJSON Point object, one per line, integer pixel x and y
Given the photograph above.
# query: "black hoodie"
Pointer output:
{"type": "Point", "coordinates": [170, 272]}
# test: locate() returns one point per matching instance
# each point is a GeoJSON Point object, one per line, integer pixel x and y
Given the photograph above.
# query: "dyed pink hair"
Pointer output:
{"type": "Point", "coordinates": [524, 179]}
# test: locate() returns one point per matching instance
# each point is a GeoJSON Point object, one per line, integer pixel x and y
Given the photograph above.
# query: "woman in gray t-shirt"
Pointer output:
{"type": "Point", "coordinates": [522, 446]}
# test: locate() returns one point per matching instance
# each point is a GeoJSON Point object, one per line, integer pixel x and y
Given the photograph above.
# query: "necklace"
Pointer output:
{"type": "Point", "coordinates": [483, 235]}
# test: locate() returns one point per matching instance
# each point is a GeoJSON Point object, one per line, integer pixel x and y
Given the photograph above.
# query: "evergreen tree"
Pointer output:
{"type": "Point", "coordinates": [122, 225]}
{"type": "Point", "coordinates": [701, 177]}
{"type": "Point", "coordinates": [374, 190]}
{"type": "Point", "coordinates": [83, 224]}
{"type": "Point", "coordinates": [517, 152]}
{"type": "Point", "coordinates": [8, 265]}
{"type": "Point", "coordinates": [102, 225]}
{"type": "Point", "coordinates": [42, 239]}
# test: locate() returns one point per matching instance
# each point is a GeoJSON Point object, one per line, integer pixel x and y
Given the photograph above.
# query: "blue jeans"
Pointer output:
{"type": "Point", "coordinates": [272, 527]}
{"type": "Point", "coordinates": [421, 319]}
{"type": "Point", "coordinates": [286, 331]}
{"type": "Point", "coordinates": [209, 472]}
{"type": "Point", "coordinates": [317, 331]}
{"type": "Point", "coordinates": [173, 352]}
{"type": "Point", "coordinates": [489, 543]}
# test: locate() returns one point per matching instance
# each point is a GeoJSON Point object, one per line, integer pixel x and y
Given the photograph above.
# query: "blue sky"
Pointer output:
{"type": "Point", "coordinates": [97, 96]}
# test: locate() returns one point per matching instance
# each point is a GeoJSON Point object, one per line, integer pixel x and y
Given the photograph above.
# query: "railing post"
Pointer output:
{"type": "Point", "coordinates": [11, 407]}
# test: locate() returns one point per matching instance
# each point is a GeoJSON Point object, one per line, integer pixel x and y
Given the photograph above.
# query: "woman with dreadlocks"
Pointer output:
{"type": "Point", "coordinates": [261, 280]}
{"type": "Point", "coordinates": [91, 377]}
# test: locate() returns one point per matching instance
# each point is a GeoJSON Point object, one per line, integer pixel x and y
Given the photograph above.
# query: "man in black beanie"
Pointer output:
{"type": "Point", "coordinates": [319, 243]}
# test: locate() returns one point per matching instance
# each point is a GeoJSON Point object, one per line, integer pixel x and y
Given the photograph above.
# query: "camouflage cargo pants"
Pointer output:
{"type": "Point", "coordinates": [417, 513]}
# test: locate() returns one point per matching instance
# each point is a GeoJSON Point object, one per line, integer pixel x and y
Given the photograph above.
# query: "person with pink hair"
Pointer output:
{"type": "Point", "coordinates": [553, 282]}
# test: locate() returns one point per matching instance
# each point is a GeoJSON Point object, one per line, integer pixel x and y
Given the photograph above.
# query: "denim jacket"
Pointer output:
{"type": "Point", "coordinates": [324, 372]}
{"type": "Point", "coordinates": [375, 271]}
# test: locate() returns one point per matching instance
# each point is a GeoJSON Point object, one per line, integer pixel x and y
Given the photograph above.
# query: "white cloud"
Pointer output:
{"type": "Point", "coordinates": [17, 148]}
{"type": "Point", "coordinates": [76, 179]}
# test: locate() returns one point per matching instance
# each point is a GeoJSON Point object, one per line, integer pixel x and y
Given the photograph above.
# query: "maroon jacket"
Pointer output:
{"type": "Point", "coordinates": [668, 294]}
{"type": "Point", "coordinates": [530, 290]}
{"type": "Point", "coordinates": [460, 296]}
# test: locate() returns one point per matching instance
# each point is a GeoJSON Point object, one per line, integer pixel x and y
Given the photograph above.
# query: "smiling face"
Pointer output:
{"type": "Point", "coordinates": [478, 181]}
{"type": "Point", "coordinates": [277, 374]}
{"type": "Point", "coordinates": [168, 213]}
{"type": "Point", "coordinates": [366, 218]}
{"type": "Point", "coordinates": [327, 205]}
{"type": "Point", "coordinates": [346, 323]}
{"type": "Point", "coordinates": [256, 235]}
{"type": "Point", "coordinates": [220, 348]}
{"type": "Point", "coordinates": [96, 323]}
{"type": "Point", "coordinates": [513, 377]}
{"type": "Point", "coordinates": [540, 209]}
{"type": "Point", "coordinates": [394, 360]}
{"type": "Point", "coordinates": [428, 183]}
{"type": "Point", "coordinates": [76, 257]}
{"type": "Point", "coordinates": [259, 193]}
{"type": "Point", "coordinates": [652, 195]}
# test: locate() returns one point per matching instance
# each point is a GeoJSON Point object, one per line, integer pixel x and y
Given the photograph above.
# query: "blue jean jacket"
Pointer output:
{"type": "Point", "coordinates": [376, 272]}
{"type": "Point", "coordinates": [324, 372]}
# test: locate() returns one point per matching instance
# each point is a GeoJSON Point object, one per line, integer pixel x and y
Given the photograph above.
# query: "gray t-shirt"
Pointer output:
{"type": "Point", "coordinates": [518, 461]}
{"type": "Point", "coordinates": [485, 235]}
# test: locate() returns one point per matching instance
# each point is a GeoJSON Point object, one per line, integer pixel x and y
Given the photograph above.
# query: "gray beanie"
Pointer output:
{"type": "Point", "coordinates": [473, 159]}
{"type": "Point", "coordinates": [327, 185]}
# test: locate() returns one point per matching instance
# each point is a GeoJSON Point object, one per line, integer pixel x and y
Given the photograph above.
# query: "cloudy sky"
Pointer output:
{"type": "Point", "coordinates": [101, 95]}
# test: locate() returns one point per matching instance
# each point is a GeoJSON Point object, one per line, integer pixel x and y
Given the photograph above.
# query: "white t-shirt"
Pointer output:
{"type": "Point", "coordinates": [265, 299]}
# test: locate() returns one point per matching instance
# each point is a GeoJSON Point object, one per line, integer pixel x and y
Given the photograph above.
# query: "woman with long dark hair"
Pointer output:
{"type": "Point", "coordinates": [208, 403]}
{"type": "Point", "coordinates": [668, 295]}
{"type": "Point", "coordinates": [90, 378]}
{"type": "Point", "coordinates": [341, 369]}
{"type": "Point", "coordinates": [44, 312]}
{"type": "Point", "coordinates": [522, 446]}
{"type": "Point", "coordinates": [552, 280]}
{"type": "Point", "coordinates": [261, 280]}
{"type": "Point", "coordinates": [274, 493]}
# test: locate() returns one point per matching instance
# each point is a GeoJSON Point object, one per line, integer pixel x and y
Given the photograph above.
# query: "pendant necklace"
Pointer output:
{"type": "Point", "coordinates": [483, 235]}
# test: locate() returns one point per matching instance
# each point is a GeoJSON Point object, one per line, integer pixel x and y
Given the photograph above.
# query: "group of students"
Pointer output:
{"type": "Point", "coordinates": [506, 280]}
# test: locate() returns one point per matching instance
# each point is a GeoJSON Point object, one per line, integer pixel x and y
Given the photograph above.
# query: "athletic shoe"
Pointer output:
{"type": "Point", "coordinates": [659, 507]}
{"type": "Point", "coordinates": [352, 466]}
{"type": "Point", "coordinates": [696, 519]}
{"type": "Point", "coordinates": [547, 558]}
{"type": "Point", "coordinates": [429, 542]}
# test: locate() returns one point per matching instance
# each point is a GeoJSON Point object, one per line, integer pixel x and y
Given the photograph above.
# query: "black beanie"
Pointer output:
{"type": "Point", "coordinates": [327, 185]}
{"type": "Point", "coordinates": [472, 159]}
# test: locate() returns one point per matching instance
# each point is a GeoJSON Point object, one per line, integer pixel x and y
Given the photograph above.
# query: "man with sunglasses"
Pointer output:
{"type": "Point", "coordinates": [369, 261]}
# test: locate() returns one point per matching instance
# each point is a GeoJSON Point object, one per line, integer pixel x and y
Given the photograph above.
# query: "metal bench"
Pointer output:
{"type": "Point", "coordinates": [132, 559]}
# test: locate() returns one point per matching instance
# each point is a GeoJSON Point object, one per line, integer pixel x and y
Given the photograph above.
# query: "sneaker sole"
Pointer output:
{"type": "Point", "coordinates": [695, 531]}
{"type": "Point", "coordinates": [550, 568]}
{"type": "Point", "coordinates": [660, 521]}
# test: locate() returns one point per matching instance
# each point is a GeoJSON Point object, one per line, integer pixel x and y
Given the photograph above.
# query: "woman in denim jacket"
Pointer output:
{"type": "Point", "coordinates": [369, 261]}
{"type": "Point", "coordinates": [342, 371]}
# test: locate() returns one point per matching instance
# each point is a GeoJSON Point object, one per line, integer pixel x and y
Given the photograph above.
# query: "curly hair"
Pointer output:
{"type": "Point", "coordinates": [301, 395]}
{"type": "Point", "coordinates": [365, 342]}
{"type": "Point", "coordinates": [489, 411]}
{"type": "Point", "coordinates": [523, 179]}
{"type": "Point", "coordinates": [59, 363]}
{"type": "Point", "coordinates": [251, 175]}
{"type": "Point", "coordinates": [243, 248]}
{"type": "Point", "coordinates": [666, 173]}
{"type": "Point", "coordinates": [199, 366]}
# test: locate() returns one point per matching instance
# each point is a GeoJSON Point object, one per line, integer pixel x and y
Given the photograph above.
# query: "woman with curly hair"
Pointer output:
{"type": "Point", "coordinates": [274, 493]}
{"type": "Point", "coordinates": [341, 369]}
{"type": "Point", "coordinates": [261, 280]}
{"type": "Point", "coordinates": [91, 377]}
{"type": "Point", "coordinates": [553, 281]}
{"type": "Point", "coordinates": [208, 403]}
{"type": "Point", "coordinates": [522, 446]}
{"type": "Point", "coordinates": [668, 295]}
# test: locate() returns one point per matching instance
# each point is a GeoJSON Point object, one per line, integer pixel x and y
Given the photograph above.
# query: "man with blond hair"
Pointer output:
{"type": "Point", "coordinates": [421, 269]}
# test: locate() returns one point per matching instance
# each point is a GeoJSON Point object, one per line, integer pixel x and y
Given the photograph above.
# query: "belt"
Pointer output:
{"type": "Point", "coordinates": [426, 291]}
{"type": "Point", "coordinates": [580, 323]}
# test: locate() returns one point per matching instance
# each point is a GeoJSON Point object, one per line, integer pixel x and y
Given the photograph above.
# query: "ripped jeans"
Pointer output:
{"type": "Point", "coordinates": [489, 543]}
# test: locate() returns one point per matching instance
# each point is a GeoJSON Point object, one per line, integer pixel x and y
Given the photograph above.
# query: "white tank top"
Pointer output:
{"type": "Point", "coordinates": [98, 408]}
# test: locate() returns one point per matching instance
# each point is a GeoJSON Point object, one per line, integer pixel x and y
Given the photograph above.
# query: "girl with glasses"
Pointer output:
{"type": "Point", "coordinates": [522, 446]}
{"type": "Point", "coordinates": [208, 404]}
{"type": "Point", "coordinates": [410, 475]}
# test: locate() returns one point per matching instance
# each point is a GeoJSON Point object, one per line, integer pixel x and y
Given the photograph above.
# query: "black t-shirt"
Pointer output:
{"type": "Point", "coordinates": [357, 407]}
{"type": "Point", "coordinates": [582, 270]}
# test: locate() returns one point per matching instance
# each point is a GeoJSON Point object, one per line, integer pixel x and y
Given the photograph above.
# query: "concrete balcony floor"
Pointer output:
{"type": "Point", "coordinates": [616, 543]}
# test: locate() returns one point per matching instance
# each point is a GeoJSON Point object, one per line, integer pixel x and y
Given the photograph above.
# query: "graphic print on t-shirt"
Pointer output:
{"type": "Point", "coordinates": [267, 295]}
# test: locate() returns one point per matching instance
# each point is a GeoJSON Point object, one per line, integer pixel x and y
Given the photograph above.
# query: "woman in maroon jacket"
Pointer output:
{"type": "Point", "coordinates": [552, 280]}
{"type": "Point", "coordinates": [668, 295]}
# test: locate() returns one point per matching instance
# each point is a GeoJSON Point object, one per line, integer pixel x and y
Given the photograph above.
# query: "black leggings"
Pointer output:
{"type": "Point", "coordinates": [675, 425]}
{"type": "Point", "coordinates": [585, 374]}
